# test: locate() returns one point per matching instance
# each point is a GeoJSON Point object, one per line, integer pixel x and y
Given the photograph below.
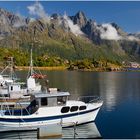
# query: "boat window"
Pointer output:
{"type": "Point", "coordinates": [83, 107]}
{"type": "Point", "coordinates": [65, 109]}
{"type": "Point", "coordinates": [44, 101]}
{"type": "Point", "coordinates": [61, 100]}
{"type": "Point", "coordinates": [52, 101]}
{"type": "Point", "coordinates": [11, 88]}
{"type": "Point", "coordinates": [74, 108]}
{"type": "Point", "coordinates": [11, 106]}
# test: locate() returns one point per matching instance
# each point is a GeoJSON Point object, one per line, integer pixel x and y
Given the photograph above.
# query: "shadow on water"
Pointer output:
{"type": "Point", "coordinates": [84, 131]}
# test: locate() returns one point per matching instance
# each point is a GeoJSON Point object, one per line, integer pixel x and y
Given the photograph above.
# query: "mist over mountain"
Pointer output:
{"type": "Point", "coordinates": [68, 37]}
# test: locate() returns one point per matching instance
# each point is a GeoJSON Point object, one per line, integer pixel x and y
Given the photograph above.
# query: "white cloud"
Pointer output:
{"type": "Point", "coordinates": [38, 10]}
{"type": "Point", "coordinates": [108, 32]}
{"type": "Point", "coordinates": [132, 38]}
{"type": "Point", "coordinates": [74, 28]}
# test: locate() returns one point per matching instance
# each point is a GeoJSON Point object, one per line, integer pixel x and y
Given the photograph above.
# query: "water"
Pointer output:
{"type": "Point", "coordinates": [81, 131]}
{"type": "Point", "coordinates": [120, 91]}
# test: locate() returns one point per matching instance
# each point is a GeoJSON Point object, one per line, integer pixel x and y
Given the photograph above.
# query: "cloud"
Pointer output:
{"type": "Point", "coordinates": [38, 10]}
{"type": "Point", "coordinates": [132, 38]}
{"type": "Point", "coordinates": [108, 32]}
{"type": "Point", "coordinates": [74, 28]}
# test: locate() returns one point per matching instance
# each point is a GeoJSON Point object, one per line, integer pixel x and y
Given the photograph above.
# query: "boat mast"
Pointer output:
{"type": "Point", "coordinates": [11, 68]}
{"type": "Point", "coordinates": [31, 63]}
{"type": "Point", "coordinates": [31, 71]}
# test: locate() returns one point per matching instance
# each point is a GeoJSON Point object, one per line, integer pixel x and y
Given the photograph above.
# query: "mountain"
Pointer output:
{"type": "Point", "coordinates": [79, 19]}
{"type": "Point", "coordinates": [9, 21]}
{"type": "Point", "coordinates": [67, 38]}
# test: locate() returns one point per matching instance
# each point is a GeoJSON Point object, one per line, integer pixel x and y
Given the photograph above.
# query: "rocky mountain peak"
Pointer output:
{"type": "Point", "coordinates": [55, 16]}
{"type": "Point", "coordinates": [80, 15]}
{"type": "Point", "coordinates": [79, 19]}
{"type": "Point", "coordinates": [115, 25]}
{"type": "Point", "coordinates": [2, 11]}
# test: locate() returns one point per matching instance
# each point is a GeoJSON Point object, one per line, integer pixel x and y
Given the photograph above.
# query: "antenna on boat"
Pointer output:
{"type": "Point", "coordinates": [31, 63]}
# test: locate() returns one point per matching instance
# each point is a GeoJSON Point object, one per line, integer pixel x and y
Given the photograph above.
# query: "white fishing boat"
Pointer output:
{"type": "Point", "coordinates": [10, 88]}
{"type": "Point", "coordinates": [32, 85]}
{"type": "Point", "coordinates": [51, 108]}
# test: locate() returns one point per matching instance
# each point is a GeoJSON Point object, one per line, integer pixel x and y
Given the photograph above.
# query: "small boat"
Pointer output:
{"type": "Point", "coordinates": [51, 108]}
{"type": "Point", "coordinates": [32, 85]}
{"type": "Point", "coordinates": [9, 87]}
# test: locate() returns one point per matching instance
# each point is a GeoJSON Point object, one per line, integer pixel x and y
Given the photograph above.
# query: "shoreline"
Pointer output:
{"type": "Point", "coordinates": [63, 68]}
{"type": "Point", "coordinates": [42, 68]}
{"type": "Point", "coordinates": [66, 68]}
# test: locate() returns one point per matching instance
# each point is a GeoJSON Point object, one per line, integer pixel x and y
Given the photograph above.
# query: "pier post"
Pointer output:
{"type": "Point", "coordinates": [49, 131]}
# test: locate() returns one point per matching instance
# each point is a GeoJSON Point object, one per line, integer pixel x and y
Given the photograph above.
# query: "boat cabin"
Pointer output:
{"type": "Point", "coordinates": [52, 99]}
{"type": "Point", "coordinates": [37, 101]}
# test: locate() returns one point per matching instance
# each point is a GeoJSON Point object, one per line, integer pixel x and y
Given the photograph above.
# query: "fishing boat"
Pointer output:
{"type": "Point", "coordinates": [9, 87]}
{"type": "Point", "coordinates": [51, 107]}
{"type": "Point", "coordinates": [32, 85]}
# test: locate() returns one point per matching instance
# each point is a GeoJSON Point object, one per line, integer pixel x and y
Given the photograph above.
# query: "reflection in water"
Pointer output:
{"type": "Point", "coordinates": [77, 83]}
{"type": "Point", "coordinates": [109, 84]}
{"type": "Point", "coordinates": [117, 87]}
{"type": "Point", "coordinates": [19, 135]}
{"type": "Point", "coordinates": [82, 131]}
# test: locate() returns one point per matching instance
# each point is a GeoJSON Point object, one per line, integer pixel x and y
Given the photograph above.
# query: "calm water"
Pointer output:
{"type": "Point", "coordinates": [119, 116]}
{"type": "Point", "coordinates": [86, 131]}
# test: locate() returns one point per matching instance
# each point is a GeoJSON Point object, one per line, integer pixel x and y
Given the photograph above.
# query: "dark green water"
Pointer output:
{"type": "Point", "coordinates": [120, 91]}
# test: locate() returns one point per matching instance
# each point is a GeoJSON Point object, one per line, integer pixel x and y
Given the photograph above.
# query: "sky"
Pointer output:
{"type": "Point", "coordinates": [125, 13]}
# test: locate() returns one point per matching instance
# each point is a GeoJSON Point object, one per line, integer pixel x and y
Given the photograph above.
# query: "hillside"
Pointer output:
{"type": "Point", "coordinates": [65, 40]}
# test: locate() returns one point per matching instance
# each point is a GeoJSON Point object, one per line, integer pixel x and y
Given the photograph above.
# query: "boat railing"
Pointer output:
{"type": "Point", "coordinates": [90, 99]}
{"type": "Point", "coordinates": [18, 109]}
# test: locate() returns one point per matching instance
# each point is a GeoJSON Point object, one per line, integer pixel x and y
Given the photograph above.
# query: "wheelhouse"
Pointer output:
{"type": "Point", "coordinates": [52, 99]}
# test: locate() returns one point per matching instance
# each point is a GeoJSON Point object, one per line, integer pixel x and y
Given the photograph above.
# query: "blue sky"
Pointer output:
{"type": "Point", "coordinates": [125, 14]}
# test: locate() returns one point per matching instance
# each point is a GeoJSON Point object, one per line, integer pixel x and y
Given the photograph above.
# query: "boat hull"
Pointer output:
{"type": "Point", "coordinates": [68, 119]}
